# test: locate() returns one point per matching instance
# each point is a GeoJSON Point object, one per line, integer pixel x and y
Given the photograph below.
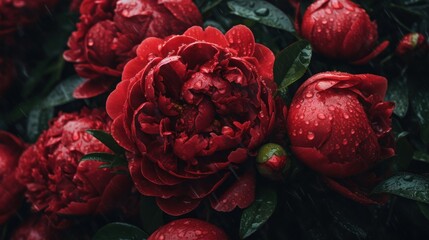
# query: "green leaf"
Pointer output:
{"type": "Point", "coordinates": [421, 156]}
{"type": "Point", "coordinates": [420, 103]}
{"type": "Point", "coordinates": [291, 63]}
{"type": "Point", "coordinates": [424, 208]}
{"type": "Point", "coordinates": [259, 212]}
{"type": "Point", "coordinates": [407, 185]}
{"type": "Point", "coordinates": [107, 140]}
{"type": "Point", "coordinates": [207, 5]}
{"type": "Point", "coordinates": [404, 152]}
{"type": "Point", "coordinates": [99, 156]}
{"type": "Point", "coordinates": [120, 231]}
{"type": "Point", "coordinates": [37, 121]}
{"type": "Point", "coordinates": [62, 93]}
{"type": "Point", "coordinates": [398, 92]}
{"type": "Point", "coordinates": [262, 12]}
{"type": "Point", "coordinates": [150, 214]}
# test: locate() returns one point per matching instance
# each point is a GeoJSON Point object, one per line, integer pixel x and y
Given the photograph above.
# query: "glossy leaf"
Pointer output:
{"type": "Point", "coordinates": [120, 231]}
{"type": "Point", "coordinates": [404, 153]}
{"type": "Point", "coordinates": [259, 212]}
{"type": "Point", "coordinates": [292, 63]}
{"type": "Point", "coordinates": [424, 208]}
{"type": "Point", "coordinates": [262, 12]}
{"type": "Point", "coordinates": [407, 185]}
{"type": "Point", "coordinates": [107, 140]}
{"type": "Point", "coordinates": [398, 92]}
{"type": "Point", "coordinates": [99, 156]}
{"type": "Point", "coordinates": [37, 121]}
{"type": "Point", "coordinates": [207, 5]}
{"type": "Point", "coordinates": [420, 103]}
{"type": "Point", "coordinates": [421, 156]}
{"type": "Point", "coordinates": [150, 214]}
{"type": "Point", "coordinates": [62, 93]}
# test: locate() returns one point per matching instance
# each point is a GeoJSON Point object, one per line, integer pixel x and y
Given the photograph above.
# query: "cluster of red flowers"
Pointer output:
{"type": "Point", "coordinates": [191, 107]}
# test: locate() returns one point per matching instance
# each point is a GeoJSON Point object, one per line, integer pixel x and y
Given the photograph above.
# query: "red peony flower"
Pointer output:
{"type": "Point", "coordinates": [339, 126]}
{"type": "Point", "coordinates": [14, 13]}
{"type": "Point", "coordinates": [341, 29]}
{"type": "Point", "coordinates": [190, 110]}
{"type": "Point", "coordinates": [11, 192]}
{"type": "Point", "coordinates": [109, 31]}
{"type": "Point", "coordinates": [7, 74]}
{"type": "Point", "coordinates": [412, 43]}
{"type": "Point", "coordinates": [189, 229]}
{"type": "Point", "coordinates": [57, 182]}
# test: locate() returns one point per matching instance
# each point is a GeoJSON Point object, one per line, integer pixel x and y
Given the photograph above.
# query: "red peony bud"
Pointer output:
{"type": "Point", "coordinates": [58, 183]}
{"type": "Point", "coordinates": [272, 161]}
{"type": "Point", "coordinates": [339, 126]}
{"type": "Point", "coordinates": [189, 229]}
{"type": "Point", "coordinates": [341, 29]}
{"type": "Point", "coordinates": [412, 43]}
{"type": "Point", "coordinates": [11, 192]}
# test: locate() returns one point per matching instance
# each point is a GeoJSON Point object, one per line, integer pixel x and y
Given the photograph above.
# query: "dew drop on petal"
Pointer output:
{"type": "Point", "coordinates": [352, 131]}
{"type": "Point", "coordinates": [345, 142]}
{"type": "Point", "coordinates": [321, 116]}
{"type": "Point", "coordinates": [310, 136]}
{"type": "Point", "coordinates": [309, 95]}
{"type": "Point", "coordinates": [346, 116]}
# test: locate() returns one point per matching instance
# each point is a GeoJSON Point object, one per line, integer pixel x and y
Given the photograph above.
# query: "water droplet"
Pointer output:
{"type": "Point", "coordinates": [310, 136]}
{"type": "Point", "coordinates": [300, 131]}
{"type": "Point", "coordinates": [319, 29]}
{"type": "Point", "coordinates": [263, 12]}
{"type": "Point", "coordinates": [328, 11]}
{"type": "Point", "coordinates": [76, 136]}
{"type": "Point", "coordinates": [331, 108]}
{"type": "Point", "coordinates": [90, 42]}
{"type": "Point", "coordinates": [309, 95]}
{"type": "Point", "coordinates": [198, 232]}
{"type": "Point", "coordinates": [298, 106]}
{"type": "Point", "coordinates": [408, 178]}
{"type": "Point", "coordinates": [352, 131]}
{"type": "Point", "coordinates": [345, 142]}
{"type": "Point", "coordinates": [324, 21]}
{"type": "Point", "coordinates": [307, 122]}
{"type": "Point", "coordinates": [336, 4]}
{"type": "Point", "coordinates": [161, 237]}
{"type": "Point", "coordinates": [301, 117]}
{"type": "Point", "coordinates": [294, 133]}
{"type": "Point", "coordinates": [321, 116]}
{"type": "Point", "coordinates": [337, 146]}
{"type": "Point", "coordinates": [316, 123]}
{"type": "Point", "coordinates": [346, 116]}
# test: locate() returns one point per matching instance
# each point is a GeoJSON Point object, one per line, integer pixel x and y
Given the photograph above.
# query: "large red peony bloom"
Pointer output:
{"type": "Point", "coordinates": [14, 13]}
{"type": "Point", "coordinates": [11, 192]}
{"type": "Point", "coordinates": [57, 182]}
{"type": "Point", "coordinates": [190, 110]}
{"type": "Point", "coordinates": [109, 31]}
{"type": "Point", "coordinates": [341, 29]}
{"type": "Point", "coordinates": [339, 126]}
{"type": "Point", "coordinates": [189, 229]}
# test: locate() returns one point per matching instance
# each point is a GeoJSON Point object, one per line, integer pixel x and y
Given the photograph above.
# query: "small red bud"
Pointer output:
{"type": "Point", "coordinates": [272, 161]}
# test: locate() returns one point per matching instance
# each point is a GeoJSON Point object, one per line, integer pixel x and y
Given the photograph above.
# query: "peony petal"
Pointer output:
{"type": "Point", "coordinates": [265, 59]}
{"type": "Point", "coordinates": [355, 194]}
{"type": "Point", "coordinates": [241, 39]}
{"type": "Point", "coordinates": [177, 206]}
{"type": "Point", "coordinates": [210, 34]}
{"type": "Point", "coordinates": [241, 194]}
{"type": "Point", "coordinates": [374, 53]}
{"type": "Point", "coordinates": [116, 100]}
{"type": "Point", "coordinates": [120, 134]}
{"type": "Point", "coordinates": [93, 87]}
